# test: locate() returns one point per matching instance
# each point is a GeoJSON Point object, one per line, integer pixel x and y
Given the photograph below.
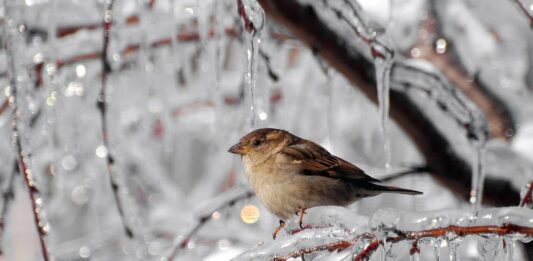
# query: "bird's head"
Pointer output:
{"type": "Point", "coordinates": [261, 143]}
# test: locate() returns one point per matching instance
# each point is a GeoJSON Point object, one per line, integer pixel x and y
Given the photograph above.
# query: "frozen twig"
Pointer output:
{"type": "Point", "coordinates": [525, 12]}
{"type": "Point", "coordinates": [226, 199]}
{"type": "Point", "coordinates": [102, 106]}
{"type": "Point", "coordinates": [25, 172]}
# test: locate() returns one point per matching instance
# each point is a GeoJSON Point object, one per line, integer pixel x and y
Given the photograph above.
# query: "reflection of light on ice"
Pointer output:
{"type": "Point", "coordinates": [263, 115]}
{"type": "Point", "coordinates": [250, 214]}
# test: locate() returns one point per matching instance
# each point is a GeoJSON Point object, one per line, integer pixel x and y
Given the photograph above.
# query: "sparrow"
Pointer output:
{"type": "Point", "coordinates": [290, 174]}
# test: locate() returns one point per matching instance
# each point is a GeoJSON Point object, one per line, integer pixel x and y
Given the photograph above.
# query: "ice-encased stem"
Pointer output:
{"type": "Point", "coordinates": [383, 70]}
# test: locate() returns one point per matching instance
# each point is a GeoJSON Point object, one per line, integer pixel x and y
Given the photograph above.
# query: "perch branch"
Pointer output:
{"type": "Point", "coordinates": [368, 250]}
{"type": "Point", "coordinates": [102, 107]}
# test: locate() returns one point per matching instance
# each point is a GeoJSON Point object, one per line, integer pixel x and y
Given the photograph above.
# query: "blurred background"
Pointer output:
{"type": "Point", "coordinates": [182, 78]}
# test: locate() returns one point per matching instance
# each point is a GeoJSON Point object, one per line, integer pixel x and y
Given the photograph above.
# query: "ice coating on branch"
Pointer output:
{"type": "Point", "coordinates": [390, 219]}
{"type": "Point", "coordinates": [328, 225]}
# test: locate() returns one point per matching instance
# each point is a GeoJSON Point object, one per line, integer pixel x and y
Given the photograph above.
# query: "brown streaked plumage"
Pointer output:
{"type": "Point", "coordinates": [290, 174]}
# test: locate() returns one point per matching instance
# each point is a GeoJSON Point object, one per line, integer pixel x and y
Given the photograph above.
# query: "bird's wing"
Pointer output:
{"type": "Point", "coordinates": [315, 160]}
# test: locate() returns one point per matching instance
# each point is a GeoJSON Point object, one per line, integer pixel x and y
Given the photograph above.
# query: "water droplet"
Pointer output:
{"type": "Point", "coordinates": [80, 70]}
{"type": "Point", "coordinates": [74, 88]}
{"type": "Point", "coordinates": [85, 252]}
{"type": "Point", "coordinates": [249, 214]}
{"type": "Point", "coordinates": [101, 151]}
{"type": "Point", "coordinates": [441, 46]}
{"type": "Point", "coordinates": [38, 58]}
{"type": "Point", "coordinates": [69, 163]}
{"type": "Point", "coordinates": [79, 195]}
{"type": "Point", "coordinates": [415, 52]}
{"type": "Point", "coordinates": [7, 91]}
{"type": "Point", "coordinates": [50, 69]}
{"type": "Point", "coordinates": [263, 115]}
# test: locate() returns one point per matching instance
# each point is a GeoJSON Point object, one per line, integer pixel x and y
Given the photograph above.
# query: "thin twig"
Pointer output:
{"type": "Point", "coordinates": [22, 161]}
{"type": "Point", "coordinates": [102, 106]}
{"type": "Point", "coordinates": [202, 220]}
{"type": "Point", "coordinates": [526, 13]}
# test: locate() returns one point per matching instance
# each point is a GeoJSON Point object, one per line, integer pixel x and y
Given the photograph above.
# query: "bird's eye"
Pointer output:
{"type": "Point", "coordinates": [256, 143]}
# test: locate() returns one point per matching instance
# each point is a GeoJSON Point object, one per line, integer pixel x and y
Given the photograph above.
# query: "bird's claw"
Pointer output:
{"type": "Point", "coordinates": [281, 225]}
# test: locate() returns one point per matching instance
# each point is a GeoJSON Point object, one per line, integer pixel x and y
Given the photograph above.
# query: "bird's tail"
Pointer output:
{"type": "Point", "coordinates": [392, 189]}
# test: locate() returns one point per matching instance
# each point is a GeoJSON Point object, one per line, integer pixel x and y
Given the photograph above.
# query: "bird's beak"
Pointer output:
{"type": "Point", "coordinates": [237, 149]}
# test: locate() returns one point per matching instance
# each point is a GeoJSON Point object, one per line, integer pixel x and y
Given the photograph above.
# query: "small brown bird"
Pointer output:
{"type": "Point", "coordinates": [290, 174]}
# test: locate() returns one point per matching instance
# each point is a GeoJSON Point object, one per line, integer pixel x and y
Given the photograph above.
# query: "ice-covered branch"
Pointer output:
{"type": "Point", "coordinates": [388, 227]}
{"type": "Point", "coordinates": [102, 106]}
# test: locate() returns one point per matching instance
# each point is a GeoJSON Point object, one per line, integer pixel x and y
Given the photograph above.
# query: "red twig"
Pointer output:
{"type": "Point", "coordinates": [102, 106]}
{"type": "Point", "coordinates": [527, 197]}
{"type": "Point", "coordinates": [526, 13]}
{"type": "Point", "coordinates": [248, 25]}
{"type": "Point", "coordinates": [368, 250]}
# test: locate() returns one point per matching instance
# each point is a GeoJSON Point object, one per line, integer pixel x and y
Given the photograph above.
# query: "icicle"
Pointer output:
{"type": "Point", "coordinates": [383, 68]}
{"type": "Point", "coordinates": [454, 247]}
{"type": "Point", "coordinates": [253, 19]}
{"type": "Point", "coordinates": [489, 247]}
{"type": "Point", "coordinates": [509, 248]}
{"type": "Point", "coordinates": [436, 249]}
{"type": "Point", "coordinates": [478, 175]}
{"type": "Point", "coordinates": [415, 257]}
